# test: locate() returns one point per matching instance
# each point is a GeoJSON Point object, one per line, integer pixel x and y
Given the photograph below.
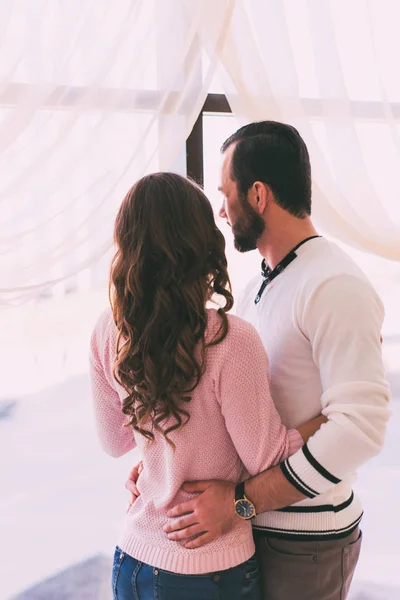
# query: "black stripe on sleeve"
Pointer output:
{"type": "Point", "coordinates": [296, 481]}
{"type": "Point", "coordinates": [318, 467]}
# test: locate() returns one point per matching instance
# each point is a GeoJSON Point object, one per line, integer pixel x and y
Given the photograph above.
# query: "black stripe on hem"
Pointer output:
{"type": "Point", "coordinates": [318, 467]}
{"type": "Point", "coordinates": [318, 509]}
{"type": "Point", "coordinates": [296, 482]}
{"type": "Point", "coordinates": [304, 537]}
{"type": "Point", "coordinates": [317, 535]}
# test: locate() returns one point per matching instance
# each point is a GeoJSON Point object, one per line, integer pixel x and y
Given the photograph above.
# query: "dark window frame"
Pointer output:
{"type": "Point", "coordinates": [363, 110]}
{"type": "Point", "coordinates": [215, 103]}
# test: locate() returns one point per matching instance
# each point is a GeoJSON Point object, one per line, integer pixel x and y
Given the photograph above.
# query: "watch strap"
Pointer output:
{"type": "Point", "coordinates": [239, 492]}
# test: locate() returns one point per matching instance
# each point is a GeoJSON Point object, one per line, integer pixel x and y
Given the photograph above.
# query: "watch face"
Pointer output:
{"type": "Point", "coordinates": [245, 509]}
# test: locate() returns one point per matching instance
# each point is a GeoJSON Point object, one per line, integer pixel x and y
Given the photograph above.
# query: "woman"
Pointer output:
{"type": "Point", "coordinates": [186, 384]}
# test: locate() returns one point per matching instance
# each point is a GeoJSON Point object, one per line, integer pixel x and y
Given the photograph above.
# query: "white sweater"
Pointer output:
{"type": "Point", "coordinates": [320, 321]}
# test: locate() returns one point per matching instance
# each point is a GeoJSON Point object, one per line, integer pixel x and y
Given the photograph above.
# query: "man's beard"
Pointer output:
{"type": "Point", "coordinates": [248, 229]}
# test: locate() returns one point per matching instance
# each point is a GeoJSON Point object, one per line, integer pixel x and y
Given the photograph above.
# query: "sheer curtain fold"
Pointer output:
{"type": "Point", "coordinates": [325, 68]}
{"type": "Point", "coordinates": [93, 95]}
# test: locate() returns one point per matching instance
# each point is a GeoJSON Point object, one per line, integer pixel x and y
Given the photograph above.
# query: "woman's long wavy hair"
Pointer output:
{"type": "Point", "coordinates": [170, 261]}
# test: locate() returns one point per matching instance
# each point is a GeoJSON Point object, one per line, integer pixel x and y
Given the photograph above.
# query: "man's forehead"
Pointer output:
{"type": "Point", "coordinates": [226, 165]}
{"type": "Point", "coordinates": [228, 153]}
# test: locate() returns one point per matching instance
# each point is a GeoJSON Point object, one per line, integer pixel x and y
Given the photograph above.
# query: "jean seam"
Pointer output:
{"type": "Point", "coordinates": [155, 586]}
{"type": "Point", "coordinates": [134, 580]}
{"type": "Point", "coordinates": [117, 568]}
{"type": "Point", "coordinates": [249, 572]}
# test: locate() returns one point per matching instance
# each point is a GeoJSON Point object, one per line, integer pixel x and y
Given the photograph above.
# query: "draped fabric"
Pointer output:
{"type": "Point", "coordinates": [328, 68]}
{"type": "Point", "coordinates": [95, 94]}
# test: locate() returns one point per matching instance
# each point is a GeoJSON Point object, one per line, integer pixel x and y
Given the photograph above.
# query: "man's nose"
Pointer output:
{"type": "Point", "coordinates": [222, 212]}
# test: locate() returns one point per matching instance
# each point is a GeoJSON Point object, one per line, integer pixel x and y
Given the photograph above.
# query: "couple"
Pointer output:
{"type": "Point", "coordinates": [238, 499]}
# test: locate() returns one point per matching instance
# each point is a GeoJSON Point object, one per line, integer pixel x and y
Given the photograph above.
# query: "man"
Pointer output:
{"type": "Point", "coordinates": [320, 321]}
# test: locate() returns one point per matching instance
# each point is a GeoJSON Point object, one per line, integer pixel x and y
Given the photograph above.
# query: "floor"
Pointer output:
{"type": "Point", "coordinates": [62, 500]}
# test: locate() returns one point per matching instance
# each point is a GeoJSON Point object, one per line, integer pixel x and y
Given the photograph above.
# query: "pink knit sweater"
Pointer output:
{"type": "Point", "coordinates": [234, 430]}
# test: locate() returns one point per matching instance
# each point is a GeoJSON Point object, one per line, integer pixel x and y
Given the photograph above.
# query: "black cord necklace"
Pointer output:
{"type": "Point", "coordinates": [270, 274]}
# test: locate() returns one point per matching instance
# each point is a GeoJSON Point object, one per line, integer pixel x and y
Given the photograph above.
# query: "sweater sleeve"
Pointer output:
{"type": "Point", "coordinates": [115, 438]}
{"type": "Point", "coordinates": [242, 388]}
{"type": "Point", "coordinates": [343, 320]}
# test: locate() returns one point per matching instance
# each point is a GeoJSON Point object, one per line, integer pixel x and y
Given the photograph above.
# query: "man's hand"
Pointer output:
{"type": "Point", "coordinates": [131, 484]}
{"type": "Point", "coordinates": [208, 516]}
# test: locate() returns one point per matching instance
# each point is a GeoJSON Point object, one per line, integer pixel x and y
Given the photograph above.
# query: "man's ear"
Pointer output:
{"type": "Point", "coordinates": [261, 196]}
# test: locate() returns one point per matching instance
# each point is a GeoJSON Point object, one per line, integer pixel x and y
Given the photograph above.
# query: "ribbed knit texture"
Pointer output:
{"type": "Point", "coordinates": [234, 430]}
{"type": "Point", "coordinates": [320, 321]}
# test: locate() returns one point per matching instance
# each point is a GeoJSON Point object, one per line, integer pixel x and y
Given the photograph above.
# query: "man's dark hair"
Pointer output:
{"type": "Point", "coordinates": [275, 154]}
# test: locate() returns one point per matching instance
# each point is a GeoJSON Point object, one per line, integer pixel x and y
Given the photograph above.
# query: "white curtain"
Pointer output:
{"type": "Point", "coordinates": [93, 94]}
{"type": "Point", "coordinates": [330, 68]}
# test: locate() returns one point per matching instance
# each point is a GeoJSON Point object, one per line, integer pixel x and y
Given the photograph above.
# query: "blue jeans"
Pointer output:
{"type": "Point", "coordinates": [134, 580]}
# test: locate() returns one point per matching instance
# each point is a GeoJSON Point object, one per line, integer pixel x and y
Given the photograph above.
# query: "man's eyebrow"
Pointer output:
{"type": "Point", "coordinates": [220, 188]}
